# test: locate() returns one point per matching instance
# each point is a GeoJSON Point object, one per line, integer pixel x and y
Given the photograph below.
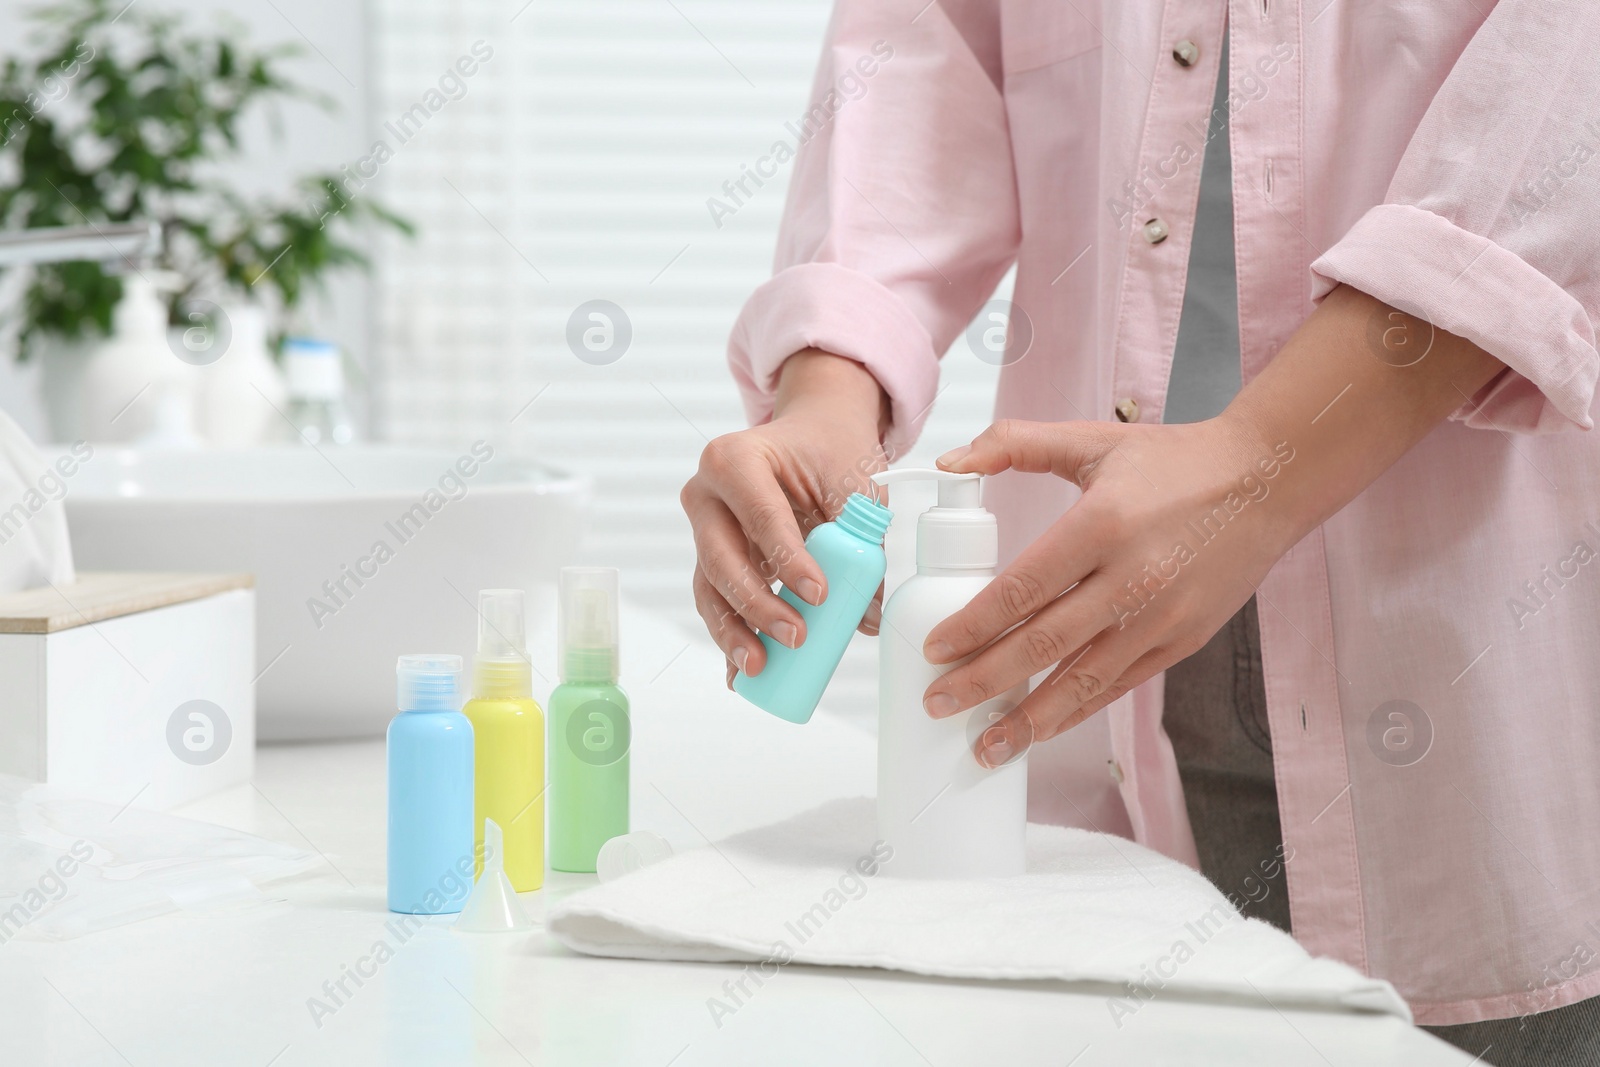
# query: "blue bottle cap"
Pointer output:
{"type": "Point", "coordinates": [429, 683]}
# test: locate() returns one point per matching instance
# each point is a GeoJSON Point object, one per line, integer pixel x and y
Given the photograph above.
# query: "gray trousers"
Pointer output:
{"type": "Point", "coordinates": [1216, 716]}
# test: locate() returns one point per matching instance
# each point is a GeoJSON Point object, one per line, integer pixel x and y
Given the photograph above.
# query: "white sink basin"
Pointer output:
{"type": "Point", "coordinates": [333, 608]}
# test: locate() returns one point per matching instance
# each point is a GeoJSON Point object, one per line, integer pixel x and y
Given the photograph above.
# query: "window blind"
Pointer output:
{"type": "Point", "coordinates": [575, 165]}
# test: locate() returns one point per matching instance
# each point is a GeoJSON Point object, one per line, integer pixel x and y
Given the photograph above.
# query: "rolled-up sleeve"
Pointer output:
{"type": "Point", "coordinates": [1491, 229]}
{"type": "Point", "coordinates": [902, 212]}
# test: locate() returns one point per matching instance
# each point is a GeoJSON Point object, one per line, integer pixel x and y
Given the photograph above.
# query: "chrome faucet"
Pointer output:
{"type": "Point", "coordinates": [128, 243]}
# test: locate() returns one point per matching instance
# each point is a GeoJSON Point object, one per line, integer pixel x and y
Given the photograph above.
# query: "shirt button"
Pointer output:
{"type": "Point", "coordinates": [1186, 52]}
{"type": "Point", "coordinates": [1127, 409]}
{"type": "Point", "coordinates": [1116, 770]}
{"type": "Point", "coordinates": [1155, 231]}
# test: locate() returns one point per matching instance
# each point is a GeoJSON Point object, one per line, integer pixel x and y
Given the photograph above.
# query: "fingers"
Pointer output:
{"type": "Point", "coordinates": [872, 621]}
{"type": "Point", "coordinates": [737, 641]}
{"type": "Point", "coordinates": [1005, 741]}
{"type": "Point", "coordinates": [724, 563]}
{"type": "Point", "coordinates": [743, 480]}
{"type": "Point", "coordinates": [1055, 562]}
{"type": "Point", "coordinates": [1054, 635]}
{"type": "Point", "coordinates": [1141, 671]}
{"type": "Point", "coordinates": [1066, 449]}
{"type": "Point", "coordinates": [1061, 557]}
{"type": "Point", "coordinates": [1074, 691]}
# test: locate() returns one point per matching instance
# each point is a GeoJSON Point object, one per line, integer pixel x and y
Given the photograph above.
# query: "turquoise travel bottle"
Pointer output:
{"type": "Point", "coordinates": [430, 790]}
{"type": "Point", "coordinates": [589, 726]}
{"type": "Point", "coordinates": [850, 551]}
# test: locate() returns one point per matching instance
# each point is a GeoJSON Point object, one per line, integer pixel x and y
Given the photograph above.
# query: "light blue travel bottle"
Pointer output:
{"type": "Point", "coordinates": [850, 551]}
{"type": "Point", "coordinates": [430, 790]}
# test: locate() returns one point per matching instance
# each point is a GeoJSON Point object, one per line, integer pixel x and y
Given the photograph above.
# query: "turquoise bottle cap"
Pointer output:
{"type": "Point", "coordinates": [865, 517]}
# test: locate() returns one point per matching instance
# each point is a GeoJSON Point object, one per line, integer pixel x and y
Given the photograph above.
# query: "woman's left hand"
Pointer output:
{"type": "Point", "coordinates": [1178, 525]}
{"type": "Point", "coordinates": [1175, 529]}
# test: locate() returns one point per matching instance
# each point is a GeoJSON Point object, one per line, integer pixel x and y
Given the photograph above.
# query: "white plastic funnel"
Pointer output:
{"type": "Point", "coordinates": [493, 907]}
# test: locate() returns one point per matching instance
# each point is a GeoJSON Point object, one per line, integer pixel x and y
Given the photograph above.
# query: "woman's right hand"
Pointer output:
{"type": "Point", "coordinates": [758, 492]}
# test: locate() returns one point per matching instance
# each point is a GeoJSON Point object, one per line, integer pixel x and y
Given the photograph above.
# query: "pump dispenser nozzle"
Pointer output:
{"type": "Point", "coordinates": [588, 633]}
{"type": "Point", "coordinates": [958, 534]}
{"type": "Point", "coordinates": [501, 669]}
{"type": "Point", "coordinates": [955, 490]}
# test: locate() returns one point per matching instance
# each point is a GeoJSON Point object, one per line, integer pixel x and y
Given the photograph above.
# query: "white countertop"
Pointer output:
{"type": "Point", "coordinates": [232, 986]}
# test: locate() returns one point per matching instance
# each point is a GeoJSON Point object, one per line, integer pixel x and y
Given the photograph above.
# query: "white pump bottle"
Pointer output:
{"type": "Point", "coordinates": [944, 814]}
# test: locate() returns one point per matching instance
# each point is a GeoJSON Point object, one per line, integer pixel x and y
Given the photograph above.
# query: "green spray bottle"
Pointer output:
{"type": "Point", "coordinates": [589, 727]}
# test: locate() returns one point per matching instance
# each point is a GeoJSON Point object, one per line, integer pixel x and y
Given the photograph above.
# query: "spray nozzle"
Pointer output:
{"type": "Point", "coordinates": [591, 619]}
{"type": "Point", "coordinates": [502, 668]}
{"type": "Point", "coordinates": [502, 630]}
{"type": "Point", "coordinates": [588, 634]}
{"type": "Point", "coordinates": [955, 490]}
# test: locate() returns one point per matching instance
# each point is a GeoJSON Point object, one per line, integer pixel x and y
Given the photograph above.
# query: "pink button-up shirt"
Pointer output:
{"type": "Point", "coordinates": [1432, 653]}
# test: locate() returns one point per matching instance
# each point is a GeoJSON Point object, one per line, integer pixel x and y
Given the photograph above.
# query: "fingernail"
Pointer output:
{"type": "Point", "coordinates": [939, 651]}
{"type": "Point", "coordinates": [809, 590]}
{"type": "Point", "coordinates": [954, 456]}
{"type": "Point", "coordinates": [786, 634]}
{"type": "Point", "coordinates": [739, 655]}
{"type": "Point", "coordinates": [997, 752]}
{"type": "Point", "coordinates": [939, 704]}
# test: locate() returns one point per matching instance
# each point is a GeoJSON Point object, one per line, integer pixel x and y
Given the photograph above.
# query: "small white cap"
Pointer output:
{"type": "Point", "coordinates": [312, 369]}
{"type": "Point", "coordinates": [628, 853]}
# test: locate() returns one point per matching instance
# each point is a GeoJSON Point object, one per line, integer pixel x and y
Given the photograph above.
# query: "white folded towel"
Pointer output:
{"type": "Point", "coordinates": [1092, 908]}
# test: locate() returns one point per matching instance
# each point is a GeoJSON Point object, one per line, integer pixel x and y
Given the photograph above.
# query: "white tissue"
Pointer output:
{"type": "Point", "coordinates": [34, 547]}
{"type": "Point", "coordinates": [70, 866]}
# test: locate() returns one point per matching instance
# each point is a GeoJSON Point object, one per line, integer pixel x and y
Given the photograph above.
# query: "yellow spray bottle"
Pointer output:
{"type": "Point", "coordinates": [508, 738]}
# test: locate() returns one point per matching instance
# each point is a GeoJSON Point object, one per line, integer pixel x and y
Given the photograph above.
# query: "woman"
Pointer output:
{"type": "Point", "coordinates": [1363, 574]}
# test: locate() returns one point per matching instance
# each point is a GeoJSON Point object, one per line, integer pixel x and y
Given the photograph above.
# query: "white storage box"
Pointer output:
{"type": "Point", "coordinates": [132, 688]}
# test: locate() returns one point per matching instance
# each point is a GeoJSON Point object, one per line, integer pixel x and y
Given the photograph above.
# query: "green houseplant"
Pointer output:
{"type": "Point", "coordinates": [117, 117]}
